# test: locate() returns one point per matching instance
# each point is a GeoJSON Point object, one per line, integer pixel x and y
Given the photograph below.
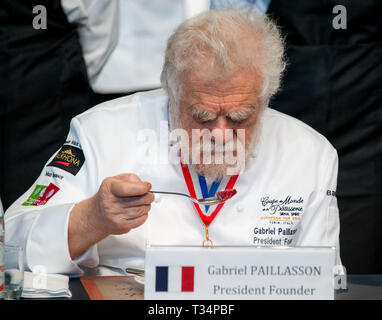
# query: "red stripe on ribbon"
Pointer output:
{"type": "Point", "coordinates": [187, 177]}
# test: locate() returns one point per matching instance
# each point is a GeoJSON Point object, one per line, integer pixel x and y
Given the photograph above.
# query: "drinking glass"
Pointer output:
{"type": "Point", "coordinates": [13, 272]}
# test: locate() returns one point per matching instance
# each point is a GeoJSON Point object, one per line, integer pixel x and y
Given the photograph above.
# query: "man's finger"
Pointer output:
{"type": "Point", "coordinates": [137, 222]}
{"type": "Point", "coordinates": [122, 188]}
{"type": "Point", "coordinates": [128, 202]}
{"type": "Point", "coordinates": [130, 177]}
{"type": "Point", "coordinates": [136, 212]}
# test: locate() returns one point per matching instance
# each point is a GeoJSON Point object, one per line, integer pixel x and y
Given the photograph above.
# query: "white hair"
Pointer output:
{"type": "Point", "coordinates": [226, 41]}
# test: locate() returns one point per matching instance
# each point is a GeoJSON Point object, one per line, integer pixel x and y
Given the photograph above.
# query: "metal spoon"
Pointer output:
{"type": "Point", "coordinates": [210, 201]}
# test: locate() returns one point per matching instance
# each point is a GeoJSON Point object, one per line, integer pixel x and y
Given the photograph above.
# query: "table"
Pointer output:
{"type": "Point", "coordinates": [362, 287]}
{"type": "Point", "coordinates": [359, 287]}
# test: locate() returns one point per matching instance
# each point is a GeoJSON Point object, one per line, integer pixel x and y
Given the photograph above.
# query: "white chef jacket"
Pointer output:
{"type": "Point", "coordinates": [98, 29]}
{"type": "Point", "coordinates": [285, 196]}
{"type": "Point", "coordinates": [145, 25]}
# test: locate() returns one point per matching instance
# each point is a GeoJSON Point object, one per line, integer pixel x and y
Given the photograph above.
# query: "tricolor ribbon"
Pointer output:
{"type": "Point", "coordinates": [204, 189]}
{"type": "Point", "coordinates": [190, 186]}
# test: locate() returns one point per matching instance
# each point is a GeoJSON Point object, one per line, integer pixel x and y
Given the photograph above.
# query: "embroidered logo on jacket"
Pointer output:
{"type": "Point", "coordinates": [69, 158]}
{"type": "Point", "coordinates": [283, 210]}
{"type": "Point", "coordinates": [41, 195]}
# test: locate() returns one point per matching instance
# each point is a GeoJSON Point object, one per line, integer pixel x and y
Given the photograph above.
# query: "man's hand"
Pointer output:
{"type": "Point", "coordinates": [121, 204]}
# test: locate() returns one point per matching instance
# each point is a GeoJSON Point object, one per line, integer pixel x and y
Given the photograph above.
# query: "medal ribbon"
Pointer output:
{"type": "Point", "coordinates": [204, 189]}
{"type": "Point", "coordinates": [190, 186]}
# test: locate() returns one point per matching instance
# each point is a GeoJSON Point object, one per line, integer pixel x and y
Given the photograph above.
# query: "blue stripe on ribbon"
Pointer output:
{"type": "Point", "coordinates": [161, 279]}
{"type": "Point", "coordinates": [204, 189]}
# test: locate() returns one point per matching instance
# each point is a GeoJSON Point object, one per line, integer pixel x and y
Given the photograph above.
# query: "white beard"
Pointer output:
{"type": "Point", "coordinates": [216, 161]}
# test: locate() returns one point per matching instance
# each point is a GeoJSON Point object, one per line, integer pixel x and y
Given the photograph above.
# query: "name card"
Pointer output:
{"type": "Point", "coordinates": [239, 273]}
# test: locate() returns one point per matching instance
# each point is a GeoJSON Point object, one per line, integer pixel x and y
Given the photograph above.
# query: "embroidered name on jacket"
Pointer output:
{"type": "Point", "coordinates": [69, 158]}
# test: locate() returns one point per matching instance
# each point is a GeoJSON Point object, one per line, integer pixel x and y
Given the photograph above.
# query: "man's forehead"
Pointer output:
{"type": "Point", "coordinates": [240, 90]}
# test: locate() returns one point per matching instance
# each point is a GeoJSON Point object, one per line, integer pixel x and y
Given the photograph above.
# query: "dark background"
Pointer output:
{"type": "Point", "coordinates": [334, 84]}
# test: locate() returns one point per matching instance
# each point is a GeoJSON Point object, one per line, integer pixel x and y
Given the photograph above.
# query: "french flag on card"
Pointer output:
{"type": "Point", "coordinates": [174, 279]}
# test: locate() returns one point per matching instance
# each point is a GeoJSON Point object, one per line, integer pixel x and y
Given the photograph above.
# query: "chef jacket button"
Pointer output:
{"type": "Point", "coordinates": [239, 208]}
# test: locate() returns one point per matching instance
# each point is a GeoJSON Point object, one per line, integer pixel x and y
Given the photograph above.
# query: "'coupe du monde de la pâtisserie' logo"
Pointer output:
{"type": "Point", "coordinates": [69, 158]}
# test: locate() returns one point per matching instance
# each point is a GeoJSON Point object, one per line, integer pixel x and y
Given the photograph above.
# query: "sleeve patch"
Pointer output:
{"type": "Point", "coordinates": [41, 194]}
{"type": "Point", "coordinates": [69, 159]}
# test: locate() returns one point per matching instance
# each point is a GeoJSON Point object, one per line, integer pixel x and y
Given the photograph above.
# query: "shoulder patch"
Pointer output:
{"type": "Point", "coordinates": [69, 159]}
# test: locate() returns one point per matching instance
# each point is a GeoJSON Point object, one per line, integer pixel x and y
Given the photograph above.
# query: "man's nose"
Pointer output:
{"type": "Point", "coordinates": [219, 130]}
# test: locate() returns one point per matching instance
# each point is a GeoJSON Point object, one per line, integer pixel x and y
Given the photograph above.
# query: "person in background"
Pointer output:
{"type": "Point", "coordinates": [49, 50]}
{"type": "Point", "coordinates": [135, 63]}
{"type": "Point", "coordinates": [333, 83]}
{"type": "Point", "coordinates": [98, 25]}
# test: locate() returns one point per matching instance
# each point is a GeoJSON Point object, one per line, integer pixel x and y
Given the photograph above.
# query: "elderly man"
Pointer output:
{"type": "Point", "coordinates": [208, 130]}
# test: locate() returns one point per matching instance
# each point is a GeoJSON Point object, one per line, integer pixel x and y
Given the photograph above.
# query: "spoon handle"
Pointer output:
{"type": "Point", "coordinates": [204, 201]}
{"type": "Point", "coordinates": [176, 193]}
